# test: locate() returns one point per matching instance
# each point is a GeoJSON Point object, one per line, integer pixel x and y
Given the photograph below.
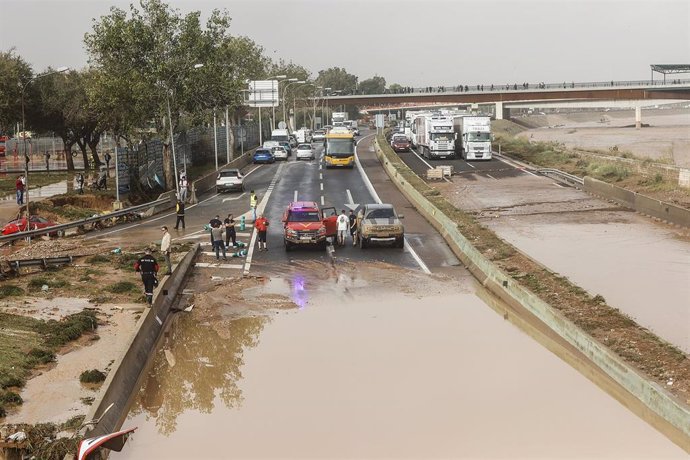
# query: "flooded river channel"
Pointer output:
{"type": "Point", "coordinates": [368, 361]}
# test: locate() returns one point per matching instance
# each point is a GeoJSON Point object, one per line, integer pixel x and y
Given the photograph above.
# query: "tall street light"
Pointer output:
{"type": "Point", "coordinates": [294, 102]}
{"type": "Point", "coordinates": [273, 107]}
{"type": "Point", "coordinates": [26, 156]}
{"type": "Point", "coordinates": [323, 103]}
{"type": "Point", "coordinates": [292, 81]}
{"type": "Point", "coordinates": [172, 140]}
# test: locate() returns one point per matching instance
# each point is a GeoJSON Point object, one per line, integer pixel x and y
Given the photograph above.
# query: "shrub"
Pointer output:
{"type": "Point", "coordinates": [10, 290]}
{"type": "Point", "coordinates": [10, 397]}
{"type": "Point", "coordinates": [122, 287]}
{"type": "Point", "coordinates": [98, 259]}
{"type": "Point", "coordinates": [92, 376]}
{"type": "Point", "coordinates": [37, 283]}
{"type": "Point", "coordinates": [58, 333]}
{"type": "Point", "coordinates": [42, 356]}
{"type": "Point", "coordinates": [8, 381]}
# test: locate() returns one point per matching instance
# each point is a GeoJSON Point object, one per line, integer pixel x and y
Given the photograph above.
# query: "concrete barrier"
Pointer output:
{"type": "Point", "coordinates": [124, 379]}
{"type": "Point", "coordinates": [637, 202]}
{"type": "Point", "coordinates": [650, 394]}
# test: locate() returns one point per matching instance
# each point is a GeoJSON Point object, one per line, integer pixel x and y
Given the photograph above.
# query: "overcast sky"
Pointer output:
{"type": "Point", "coordinates": [418, 43]}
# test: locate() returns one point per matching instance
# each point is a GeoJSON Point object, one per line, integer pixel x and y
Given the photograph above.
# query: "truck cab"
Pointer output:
{"type": "Point", "coordinates": [305, 224]}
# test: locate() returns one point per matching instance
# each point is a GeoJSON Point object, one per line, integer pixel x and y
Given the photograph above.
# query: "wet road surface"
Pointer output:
{"type": "Point", "coordinates": [368, 360]}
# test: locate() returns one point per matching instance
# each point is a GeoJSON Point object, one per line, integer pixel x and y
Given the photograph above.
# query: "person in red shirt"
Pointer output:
{"type": "Point", "coordinates": [19, 185]}
{"type": "Point", "coordinates": [261, 226]}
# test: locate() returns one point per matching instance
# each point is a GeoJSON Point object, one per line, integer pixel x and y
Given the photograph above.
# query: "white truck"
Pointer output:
{"type": "Point", "coordinates": [303, 135]}
{"type": "Point", "coordinates": [338, 118]}
{"type": "Point", "coordinates": [280, 135]}
{"type": "Point", "coordinates": [473, 137]}
{"type": "Point", "coordinates": [434, 136]}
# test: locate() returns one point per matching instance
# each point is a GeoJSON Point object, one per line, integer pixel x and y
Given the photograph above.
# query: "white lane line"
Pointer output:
{"type": "Point", "coordinates": [530, 173]}
{"type": "Point", "coordinates": [216, 265]}
{"type": "Point", "coordinates": [558, 185]}
{"type": "Point", "coordinates": [322, 202]}
{"type": "Point", "coordinates": [491, 176]}
{"type": "Point", "coordinates": [234, 198]}
{"type": "Point", "coordinates": [320, 165]}
{"type": "Point", "coordinates": [349, 197]}
{"type": "Point", "coordinates": [375, 195]}
{"type": "Point", "coordinates": [320, 176]}
{"type": "Point", "coordinates": [470, 165]}
{"type": "Point", "coordinates": [259, 210]}
{"type": "Point", "coordinates": [422, 159]}
{"type": "Point", "coordinates": [295, 197]}
{"type": "Point", "coordinates": [213, 253]}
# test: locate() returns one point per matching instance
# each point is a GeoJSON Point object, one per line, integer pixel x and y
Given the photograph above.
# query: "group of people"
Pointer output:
{"type": "Point", "coordinates": [347, 224]}
{"type": "Point", "coordinates": [223, 230]}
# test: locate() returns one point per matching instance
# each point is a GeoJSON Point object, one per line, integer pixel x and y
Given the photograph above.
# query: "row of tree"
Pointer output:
{"type": "Point", "coordinates": [151, 70]}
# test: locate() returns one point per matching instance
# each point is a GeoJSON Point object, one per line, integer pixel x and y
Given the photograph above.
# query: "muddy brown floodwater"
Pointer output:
{"type": "Point", "coordinates": [368, 362]}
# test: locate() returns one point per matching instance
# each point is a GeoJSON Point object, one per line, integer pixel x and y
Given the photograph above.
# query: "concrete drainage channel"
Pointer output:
{"type": "Point", "coordinates": [664, 410]}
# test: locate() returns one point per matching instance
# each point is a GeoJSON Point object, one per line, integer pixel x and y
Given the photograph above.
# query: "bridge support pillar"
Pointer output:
{"type": "Point", "coordinates": [502, 113]}
{"type": "Point", "coordinates": [638, 117]}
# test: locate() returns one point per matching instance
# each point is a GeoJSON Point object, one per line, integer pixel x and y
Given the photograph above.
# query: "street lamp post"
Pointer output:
{"type": "Point", "coordinates": [283, 99]}
{"type": "Point", "coordinates": [294, 102]}
{"type": "Point", "coordinates": [273, 107]}
{"type": "Point", "coordinates": [26, 156]}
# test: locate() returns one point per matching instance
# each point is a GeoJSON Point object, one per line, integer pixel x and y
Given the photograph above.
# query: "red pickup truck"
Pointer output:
{"type": "Point", "coordinates": [304, 223]}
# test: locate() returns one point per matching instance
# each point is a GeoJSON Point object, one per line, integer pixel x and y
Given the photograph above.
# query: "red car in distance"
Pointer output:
{"type": "Point", "coordinates": [19, 225]}
{"type": "Point", "coordinates": [400, 143]}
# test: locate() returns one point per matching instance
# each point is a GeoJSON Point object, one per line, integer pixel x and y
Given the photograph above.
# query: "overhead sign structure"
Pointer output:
{"type": "Point", "coordinates": [263, 93]}
{"type": "Point", "coordinates": [380, 120]}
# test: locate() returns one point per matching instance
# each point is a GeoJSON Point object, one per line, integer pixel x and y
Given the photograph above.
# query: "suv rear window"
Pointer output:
{"type": "Point", "coordinates": [304, 147]}
{"type": "Point", "coordinates": [383, 213]}
{"type": "Point", "coordinates": [228, 174]}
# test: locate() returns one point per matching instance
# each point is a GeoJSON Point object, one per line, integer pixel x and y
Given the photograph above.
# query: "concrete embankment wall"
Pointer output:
{"type": "Point", "coordinates": [671, 412]}
{"type": "Point", "coordinates": [124, 378]}
{"type": "Point", "coordinates": [649, 206]}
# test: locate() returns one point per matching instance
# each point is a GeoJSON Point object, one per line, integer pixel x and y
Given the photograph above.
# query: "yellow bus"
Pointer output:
{"type": "Point", "coordinates": [339, 148]}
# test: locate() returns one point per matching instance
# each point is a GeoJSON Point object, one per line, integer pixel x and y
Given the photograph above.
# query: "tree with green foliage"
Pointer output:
{"type": "Point", "coordinates": [373, 85]}
{"type": "Point", "coordinates": [155, 52]}
{"type": "Point", "coordinates": [338, 80]}
{"type": "Point", "coordinates": [14, 72]}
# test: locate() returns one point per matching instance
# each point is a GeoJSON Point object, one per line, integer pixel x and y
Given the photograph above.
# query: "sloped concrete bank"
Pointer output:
{"type": "Point", "coordinates": [120, 387]}
{"type": "Point", "coordinates": [649, 400]}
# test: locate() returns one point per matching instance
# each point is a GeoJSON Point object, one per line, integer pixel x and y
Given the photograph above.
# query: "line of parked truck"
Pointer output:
{"type": "Point", "coordinates": [447, 134]}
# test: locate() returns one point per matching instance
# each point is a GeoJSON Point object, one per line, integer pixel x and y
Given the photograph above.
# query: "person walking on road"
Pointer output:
{"type": "Point", "coordinates": [353, 227]}
{"type": "Point", "coordinates": [165, 248]}
{"type": "Point", "coordinates": [218, 244]}
{"type": "Point", "coordinates": [261, 226]}
{"type": "Point", "coordinates": [230, 231]}
{"type": "Point", "coordinates": [213, 223]}
{"type": "Point", "coordinates": [343, 226]}
{"type": "Point", "coordinates": [148, 267]}
{"type": "Point", "coordinates": [179, 211]}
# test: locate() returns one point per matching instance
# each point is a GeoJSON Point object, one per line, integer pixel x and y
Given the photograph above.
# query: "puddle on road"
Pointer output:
{"type": "Point", "coordinates": [642, 269]}
{"type": "Point", "coordinates": [368, 361]}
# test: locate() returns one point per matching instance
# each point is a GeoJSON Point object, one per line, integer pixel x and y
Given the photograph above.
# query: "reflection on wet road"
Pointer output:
{"type": "Point", "coordinates": [368, 361]}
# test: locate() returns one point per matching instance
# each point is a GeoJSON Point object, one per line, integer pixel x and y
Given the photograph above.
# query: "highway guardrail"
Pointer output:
{"type": "Point", "coordinates": [562, 176]}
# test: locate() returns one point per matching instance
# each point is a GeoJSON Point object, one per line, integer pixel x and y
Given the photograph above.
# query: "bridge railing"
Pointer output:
{"type": "Point", "coordinates": [670, 82]}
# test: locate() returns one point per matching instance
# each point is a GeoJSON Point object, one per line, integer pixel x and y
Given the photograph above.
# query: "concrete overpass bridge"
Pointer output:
{"type": "Point", "coordinates": [635, 94]}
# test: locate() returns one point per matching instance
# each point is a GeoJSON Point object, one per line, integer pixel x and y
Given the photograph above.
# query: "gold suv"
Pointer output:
{"type": "Point", "coordinates": [379, 223]}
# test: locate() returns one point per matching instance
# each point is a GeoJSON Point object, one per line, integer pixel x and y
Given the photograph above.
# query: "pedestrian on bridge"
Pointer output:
{"type": "Point", "coordinates": [148, 267]}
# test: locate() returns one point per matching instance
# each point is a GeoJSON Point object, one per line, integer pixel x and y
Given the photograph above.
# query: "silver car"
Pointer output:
{"type": "Point", "coordinates": [229, 180]}
{"type": "Point", "coordinates": [305, 152]}
{"type": "Point", "coordinates": [379, 223]}
{"type": "Point", "coordinates": [280, 152]}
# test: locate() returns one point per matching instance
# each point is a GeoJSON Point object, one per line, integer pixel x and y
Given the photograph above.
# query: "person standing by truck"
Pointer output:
{"type": "Point", "coordinates": [343, 226]}
{"type": "Point", "coordinates": [261, 226]}
{"type": "Point", "coordinates": [353, 227]}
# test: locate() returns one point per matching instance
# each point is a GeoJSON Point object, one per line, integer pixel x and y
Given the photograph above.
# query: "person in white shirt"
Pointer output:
{"type": "Point", "coordinates": [165, 248]}
{"type": "Point", "coordinates": [183, 188]}
{"type": "Point", "coordinates": [343, 227]}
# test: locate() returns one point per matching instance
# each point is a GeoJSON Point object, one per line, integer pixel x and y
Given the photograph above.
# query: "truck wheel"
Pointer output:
{"type": "Point", "coordinates": [288, 245]}
{"type": "Point", "coordinates": [362, 243]}
{"type": "Point", "coordinates": [400, 242]}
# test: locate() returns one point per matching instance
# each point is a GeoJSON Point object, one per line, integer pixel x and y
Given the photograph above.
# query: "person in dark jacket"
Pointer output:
{"type": "Point", "coordinates": [179, 210]}
{"type": "Point", "coordinates": [230, 234]}
{"type": "Point", "coordinates": [148, 267]}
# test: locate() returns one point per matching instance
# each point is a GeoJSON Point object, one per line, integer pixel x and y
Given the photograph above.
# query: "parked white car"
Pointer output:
{"type": "Point", "coordinates": [318, 135]}
{"type": "Point", "coordinates": [228, 180]}
{"type": "Point", "coordinates": [305, 152]}
{"type": "Point", "coordinates": [279, 152]}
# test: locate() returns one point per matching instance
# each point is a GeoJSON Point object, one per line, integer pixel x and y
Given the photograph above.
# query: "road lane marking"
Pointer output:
{"type": "Point", "coordinates": [558, 185]}
{"type": "Point", "coordinates": [320, 176]}
{"type": "Point", "coordinates": [217, 265]}
{"type": "Point", "coordinates": [349, 197]}
{"type": "Point", "coordinates": [375, 195]}
{"type": "Point", "coordinates": [295, 197]}
{"type": "Point", "coordinates": [422, 159]}
{"type": "Point", "coordinates": [322, 202]}
{"type": "Point", "coordinates": [259, 210]}
{"type": "Point", "coordinates": [491, 176]}
{"type": "Point", "coordinates": [234, 198]}
{"type": "Point", "coordinates": [470, 165]}
{"type": "Point", "coordinates": [321, 186]}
